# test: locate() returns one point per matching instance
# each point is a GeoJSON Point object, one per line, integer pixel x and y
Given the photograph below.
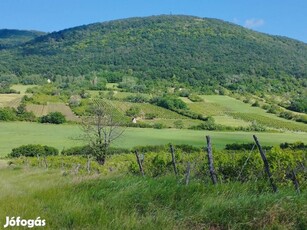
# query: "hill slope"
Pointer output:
{"type": "Point", "coordinates": [9, 38]}
{"type": "Point", "coordinates": [199, 52]}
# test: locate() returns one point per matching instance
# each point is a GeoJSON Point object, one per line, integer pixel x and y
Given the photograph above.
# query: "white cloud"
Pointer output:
{"type": "Point", "coordinates": [252, 23]}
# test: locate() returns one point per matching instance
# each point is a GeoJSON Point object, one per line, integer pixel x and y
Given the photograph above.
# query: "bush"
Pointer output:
{"type": "Point", "coordinates": [8, 114]}
{"type": "Point", "coordinates": [195, 98]}
{"type": "Point", "coordinates": [256, 104]}
{"type": "Point", "coordinates": [77, 150]}
{"type": "Point", "coordinates": [53, 118]}
{"type": "Point", "coordinates": [178, 124]}
{"type": "Point", "coordinates": [247, 146]}
{"type": "Point", "coordinates": [139, 98]}
{"type": "Point", "coordinates": [207, 125]}
{"type": "Point", "coordinates": [293, 146]}
{"type": "Point", "coordinates": [133, 111]}
{"type": "Point", "coordinates": [33, 150]}
{"type": "Point", "coordinates": [150, 116]}
{"type": "Point", "coordinates": [87, 150]}
{"type": "Point", "coordinates": [169, 102]}
{"type": "Point", "coordinates": [158, 126]}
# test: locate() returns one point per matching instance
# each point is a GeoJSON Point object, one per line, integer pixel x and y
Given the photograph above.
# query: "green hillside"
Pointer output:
{"type": "Point", "coordinates": [9, 38]}
{"type": "Point", "coordinates": [206, 54]}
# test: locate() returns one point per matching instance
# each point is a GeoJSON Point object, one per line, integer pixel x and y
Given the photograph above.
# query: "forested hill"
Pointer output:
{"type": "Point", "coordinates": [9, 38]}
{"type": "Point", "coordinates": [196, 51]}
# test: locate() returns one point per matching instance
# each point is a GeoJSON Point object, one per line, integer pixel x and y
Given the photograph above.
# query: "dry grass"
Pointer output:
{"type": "Point", "coordinates": [10, 100]}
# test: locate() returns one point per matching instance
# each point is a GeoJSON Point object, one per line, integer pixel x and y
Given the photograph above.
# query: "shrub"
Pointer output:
{"type": "Point", "coordinates": [33, 150]}
{"type": "Point", "coordinates": [207, 125]}
{"type": "Point", "coordinates": [195, 98]}
{"type": "Point", "coordinates": [150, 116]}
{"type": "Point", "coordinates": [244, 146]}
{"type": "Point", "coordinates": [53, 118]}
{"type": "Point", "coordinates": [178, 124]}
{"type": "Point", "coordinates": [158, 126]}
{"type": "Point", "coordinates": [75, 100]}
{"type": "Point", "coordinates": [8, 114]}
{"type": "Point", "coordinates": [294, 146]}
{"type": "Point", "coordinates": [77, 150]}
{"type": "Point", "coordinates": [139, 98]}
{"type": "Point", "coordinates": [87, 150]}
{"type": "Point", "coordinates": [133, 111]}
{"type": "Point", "coordinates": [256, 127]}
{"type": "Point", "coordinates": [169, 102]}
{"type": "Point", "coordinates": [256, 104]}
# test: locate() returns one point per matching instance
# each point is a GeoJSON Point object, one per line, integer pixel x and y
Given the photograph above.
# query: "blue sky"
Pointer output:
{"type": "Point", "coordinates": [278, 17]}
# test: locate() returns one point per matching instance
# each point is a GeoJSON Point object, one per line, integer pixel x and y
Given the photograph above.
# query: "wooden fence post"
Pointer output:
{"type": "Point", "coordinates": [266, 164]}
{"type": "Point", "coordinates": [139, 163]}
{"type": "Point", "coordinates": [45, 161]}
{"type": "Point", "coordinates": [88, 164]}
{"type": "Point", "coordinates": [295, 181]}
{"type": "Point", "coordinates": [187, 176]}
{"type": "Point", "coordinates": [210, 160]}
{"type": "Point", "coordinates": [173, 159]}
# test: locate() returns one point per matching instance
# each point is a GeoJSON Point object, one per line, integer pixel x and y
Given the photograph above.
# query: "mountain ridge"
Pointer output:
{"type": "Point", "coordinates": [188, 49]}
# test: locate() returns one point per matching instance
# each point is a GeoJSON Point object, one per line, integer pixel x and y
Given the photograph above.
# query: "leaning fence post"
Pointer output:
{"type": "Point", "coordinates": [139, 163]}
{"type": "Point", "coordinates": [266, 164]}
{"type": "Point", "coordinates": [173, 159]}
{"type": "Point", "coordinates": [295, 182]}
{"type": "Point", "coordinates": [210, 160]}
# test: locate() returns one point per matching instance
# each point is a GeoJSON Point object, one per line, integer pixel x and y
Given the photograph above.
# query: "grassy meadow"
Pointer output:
{"type": "Point", "coordinates": [133, 202]}
{"type": "Point", "coordinates": [14, 134]}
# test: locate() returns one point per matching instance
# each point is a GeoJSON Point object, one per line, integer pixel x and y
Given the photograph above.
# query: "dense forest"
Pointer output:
{"type": "Point", "coordinates": [205, 54]}
{"type": "Point", "coordinates": [10, 38]}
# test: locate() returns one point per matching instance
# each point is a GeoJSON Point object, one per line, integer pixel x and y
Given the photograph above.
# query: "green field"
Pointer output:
{"type": "Point", "coordinates": [22, 88]}
{"type": "Point", "coordinates": [14, 134]}
{"type": "Point", "coordinates": [230, 111]}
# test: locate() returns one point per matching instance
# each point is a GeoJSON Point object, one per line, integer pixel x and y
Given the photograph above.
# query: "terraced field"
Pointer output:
{"type": "Point", "coordinates": [148, 108]}
{"type": "Point", "coordinates": [237, 113]}
{"type": "Point", "coordinates": [41, 110]}
{"type": "Point", "coordinates": [10, 100]}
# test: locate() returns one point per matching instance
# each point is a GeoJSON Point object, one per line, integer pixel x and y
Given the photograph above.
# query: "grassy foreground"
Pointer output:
{"type": "Point", "coordinates": [14, 134]}
{"type": "Point", "coordinates": [131, 202]}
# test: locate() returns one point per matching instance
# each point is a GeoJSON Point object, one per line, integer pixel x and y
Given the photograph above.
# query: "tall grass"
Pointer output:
{"type": "Point", "coordinates": [131, 202]}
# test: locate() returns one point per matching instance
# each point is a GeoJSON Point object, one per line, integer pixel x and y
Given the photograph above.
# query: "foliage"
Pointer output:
{"type": "Point", "coordinates": [169, 102]}
{"type": "Point", "coordinates": [245, 146]}
{"type": "Point", "coordinates": [53, 118]}
{"type": "Point", "coordinates": [294, 146]}
{"type": "Point", "coordinates": [150, 116]}
{"type": "Point", "coordinates": [195, 98]}
{"type": "Point", "coordinates": [102, 127]}
{"type": "Point", "coordinates": [158, 126]}
{"type": "Point", "coordinates": [206, 54]}
{"type": "Point", "coordinates": [137, 98]}
{"type": "Point", "coordinates": [133, 111]}
{"type": "Point", "coordinates": [33, 151]}
{"type": "Point", "coordinates": [8, 114]}
{"type": "Point", "coordinates": [299, 104]}
{"type": "Point", "coordinates": [178, 124]}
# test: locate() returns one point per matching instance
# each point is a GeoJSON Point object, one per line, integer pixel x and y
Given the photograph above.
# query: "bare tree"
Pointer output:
{"type": "Point", "coordinates": [103, 125]}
